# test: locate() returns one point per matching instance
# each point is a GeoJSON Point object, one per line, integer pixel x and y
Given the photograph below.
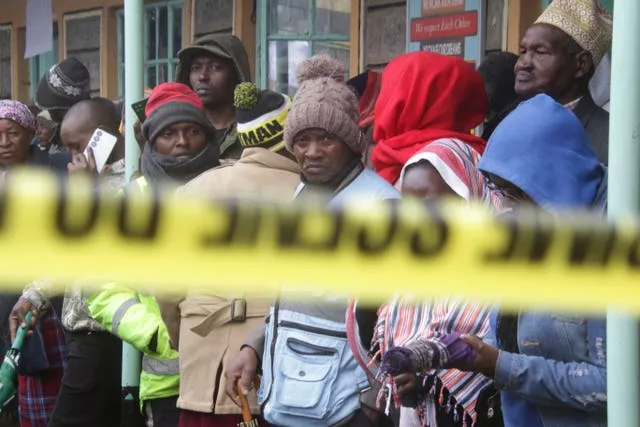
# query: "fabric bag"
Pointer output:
{"type": "Point", "coordinates": [310, 376]}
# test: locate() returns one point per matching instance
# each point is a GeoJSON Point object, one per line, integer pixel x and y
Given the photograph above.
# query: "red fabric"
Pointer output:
{"type": "Point", "coordinates": [37, 394]}
{"type": "Point", "coordinates": [367, 102]}
{"type": "Point", "coordinates": [172, 92]}
{"type": "Point", "coordinates": [425, 97]}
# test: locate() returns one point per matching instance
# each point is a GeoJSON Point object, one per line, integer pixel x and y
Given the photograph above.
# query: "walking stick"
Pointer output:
{"type": "Point", "coordinates": [247, 418]}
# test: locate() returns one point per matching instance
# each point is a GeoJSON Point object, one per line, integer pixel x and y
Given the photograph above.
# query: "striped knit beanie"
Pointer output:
{"type": "Point", "coordinates": [260, 116]}
{"type": "Point", "coordinates": [171, 103]}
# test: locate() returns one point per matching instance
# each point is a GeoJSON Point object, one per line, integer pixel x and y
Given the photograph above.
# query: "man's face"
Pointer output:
{"type": "Point", "coordinates": [320, 155]}
{"type": "Point", "coordinates": [545, 65]}
{"type": "Point", "coordinates": [75, 136]}
{"type": "Point", "coordinates": [44, 133]}
{"type": "Point", "coordinates": [213, 79]}
{"type": "Point", "coordinates": [181, 140]}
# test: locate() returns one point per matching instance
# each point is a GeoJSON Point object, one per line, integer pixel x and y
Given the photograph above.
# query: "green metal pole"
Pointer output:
{"type": "Point", "coordinates": [133, 77]}
{"type": "Point", "coordinates": [623, 354]}
{"type": "Point", "coordinates": [134, 91]}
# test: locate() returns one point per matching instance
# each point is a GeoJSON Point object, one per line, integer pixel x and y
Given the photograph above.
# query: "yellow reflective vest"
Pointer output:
{"type": "Point", "coordinates": [135, 318]}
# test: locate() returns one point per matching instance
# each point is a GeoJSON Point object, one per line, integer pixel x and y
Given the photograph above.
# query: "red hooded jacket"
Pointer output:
{"type": "Point", "coordinates": [425, 97]}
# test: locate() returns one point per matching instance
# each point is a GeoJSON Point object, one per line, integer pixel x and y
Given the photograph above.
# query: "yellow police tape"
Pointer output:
{"type": "Point", "coordinates": [170, 243]}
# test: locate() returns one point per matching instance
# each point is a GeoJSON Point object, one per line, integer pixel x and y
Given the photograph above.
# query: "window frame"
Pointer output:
{"type": "Point", "coordinates": [170, 61]}
{"type": "Point", "coordinates": [35, 70]}
{"type": "Point", "coordinates": [9, 27]}
{"type": "Point", "coordinates": [264, 37]}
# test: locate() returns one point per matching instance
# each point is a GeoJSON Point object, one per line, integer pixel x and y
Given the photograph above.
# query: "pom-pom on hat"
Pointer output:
{"type": "Point", "coordinates": [324, 101]}
{"type": "Point", "coordinates": [172, 103]}
{"type": "Point", "coordinates": [260, 116]}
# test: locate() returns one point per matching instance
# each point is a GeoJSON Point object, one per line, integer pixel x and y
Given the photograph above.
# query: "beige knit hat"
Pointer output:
{"type": "Point", "coordinates": [324, 101]}
{"type": "Point", "coordinates": [585, 21]}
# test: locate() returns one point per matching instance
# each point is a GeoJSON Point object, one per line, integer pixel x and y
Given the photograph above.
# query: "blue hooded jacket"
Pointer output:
{"type": "Point", "coordinates": [542, 148]}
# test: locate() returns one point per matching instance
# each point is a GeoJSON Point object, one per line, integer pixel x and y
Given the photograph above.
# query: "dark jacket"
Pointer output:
{"type": "Point", "coordinates": [225, 46]}
{"type": "Point", "coordinates": [595, 121]}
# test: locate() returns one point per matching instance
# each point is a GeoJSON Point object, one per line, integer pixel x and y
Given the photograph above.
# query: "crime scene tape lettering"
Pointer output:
{"type": "Point", "coordinates": [171, 242]}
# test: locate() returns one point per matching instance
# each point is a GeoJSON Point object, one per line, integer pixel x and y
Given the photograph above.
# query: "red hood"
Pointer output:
{"type": "Point", "coordinates": [425, 97]}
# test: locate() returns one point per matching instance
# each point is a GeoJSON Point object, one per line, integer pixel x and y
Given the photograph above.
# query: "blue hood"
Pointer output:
{"type": "Point", "coordinates": [542, 149]}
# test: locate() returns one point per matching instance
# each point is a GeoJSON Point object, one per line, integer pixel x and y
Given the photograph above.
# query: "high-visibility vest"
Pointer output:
{"type": "Point", "coordinates": [136, 319]}
{"type": "Point", "coordinates": [139, 184]}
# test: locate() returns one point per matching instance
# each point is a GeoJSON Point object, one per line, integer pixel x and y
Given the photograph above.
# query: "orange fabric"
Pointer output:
{"type": "Point", "coordinates": [425, 97]}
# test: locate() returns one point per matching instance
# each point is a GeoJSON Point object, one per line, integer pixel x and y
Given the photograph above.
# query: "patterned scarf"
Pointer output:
{"type": "Point", "coordinates": [402, 321]}
{"type": "Point", "coordinates": [457, 164]}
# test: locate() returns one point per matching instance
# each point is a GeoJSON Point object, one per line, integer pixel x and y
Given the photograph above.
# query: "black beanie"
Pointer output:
{"type": "Point", "coordinates": [64, 85]}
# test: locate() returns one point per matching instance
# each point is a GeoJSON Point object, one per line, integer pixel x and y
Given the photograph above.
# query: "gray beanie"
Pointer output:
{"type": "Point", "coordinates": [324, 101]}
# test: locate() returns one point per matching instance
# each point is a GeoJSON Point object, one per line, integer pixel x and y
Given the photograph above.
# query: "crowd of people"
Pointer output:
{"type": "Point", "coordinates": [521, 130]}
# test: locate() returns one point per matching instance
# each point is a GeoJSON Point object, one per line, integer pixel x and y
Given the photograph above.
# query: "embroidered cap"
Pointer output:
{"type": "Point", "coordinates": [64, 85]}
{"type": "Point", "coordinates": [585, 21]}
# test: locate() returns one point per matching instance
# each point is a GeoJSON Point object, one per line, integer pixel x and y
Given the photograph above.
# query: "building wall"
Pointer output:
{"type": "Point", "coordinates": [88, 30]}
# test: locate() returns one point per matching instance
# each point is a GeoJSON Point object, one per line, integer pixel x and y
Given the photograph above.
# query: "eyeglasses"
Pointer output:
{"type": "Point", "coordinates": [505, 189]}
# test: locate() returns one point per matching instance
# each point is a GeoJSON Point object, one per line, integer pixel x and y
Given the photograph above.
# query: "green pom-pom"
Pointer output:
{"type": "Point", "coordinates": [245, 96]}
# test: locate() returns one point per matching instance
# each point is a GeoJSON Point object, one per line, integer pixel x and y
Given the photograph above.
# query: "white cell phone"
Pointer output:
{"type": "Point", "coordinates": [102, 144]}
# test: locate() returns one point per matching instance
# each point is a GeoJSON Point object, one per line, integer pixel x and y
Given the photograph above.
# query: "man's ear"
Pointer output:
{"type": "Point", "coordinates": [584, 64]}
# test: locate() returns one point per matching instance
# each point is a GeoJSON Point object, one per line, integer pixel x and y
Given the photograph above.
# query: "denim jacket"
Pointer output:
{"type": "Point", "coordinates": [560, 372]}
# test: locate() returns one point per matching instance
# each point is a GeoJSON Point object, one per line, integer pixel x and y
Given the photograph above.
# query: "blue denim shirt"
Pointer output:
{"type": "Point", "coordinates": [559, 378]}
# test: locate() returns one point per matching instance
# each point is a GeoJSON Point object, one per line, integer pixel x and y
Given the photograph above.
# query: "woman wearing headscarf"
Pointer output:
{"type": "Point", "coordinates": [17, 129]}
{"type": "Point", "coordinates": [551, 369]}
{"type": "Point", "coordinates": [44, 351]}
{"type": "Point", "coordinates": [425, 97]}
{"type": "Point", "coordinates": [444, 397]}
{"type": "Point", "coordinates": [181, 145]}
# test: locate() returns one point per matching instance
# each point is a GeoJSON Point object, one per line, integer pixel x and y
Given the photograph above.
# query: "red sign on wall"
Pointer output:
{"type": "Point", "coordinates": [445, 26]}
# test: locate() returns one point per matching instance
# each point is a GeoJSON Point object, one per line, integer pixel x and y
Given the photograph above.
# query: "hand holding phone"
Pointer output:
{"type": "Point", "coordinates": [100, 147]}
{"type": "Point", "coordinates": [83, 163]}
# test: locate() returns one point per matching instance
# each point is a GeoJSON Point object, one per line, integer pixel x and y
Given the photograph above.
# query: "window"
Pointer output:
{"type": "Point", "coordinates": [5, 62]}
{"type": "Point", "coordinates": [293, 30]}
{"type": "Point", "coordinates": [40, 64]}
{"type": "Point", "coordinates": [162, 41]}
{"type": "Point", "coordinates": [82, 41]}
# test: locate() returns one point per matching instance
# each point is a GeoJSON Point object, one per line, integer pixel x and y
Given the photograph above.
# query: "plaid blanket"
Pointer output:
{"type": "Point", "coordinates": [37, 394]}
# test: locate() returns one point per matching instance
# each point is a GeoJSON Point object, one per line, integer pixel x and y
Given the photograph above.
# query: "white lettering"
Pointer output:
{"type": "Point", "coordinates": [446, 48]}
{"type": "Point", "coordinates": [441, 4]}
{"type": "Point", "coordinates": [462, 23]}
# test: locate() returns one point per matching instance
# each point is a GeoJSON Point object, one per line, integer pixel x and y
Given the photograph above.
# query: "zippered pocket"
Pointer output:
{"type": "Point", "coordinates": [303, 348]}
{"type": "Point", "coordinates": [312, 329]}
